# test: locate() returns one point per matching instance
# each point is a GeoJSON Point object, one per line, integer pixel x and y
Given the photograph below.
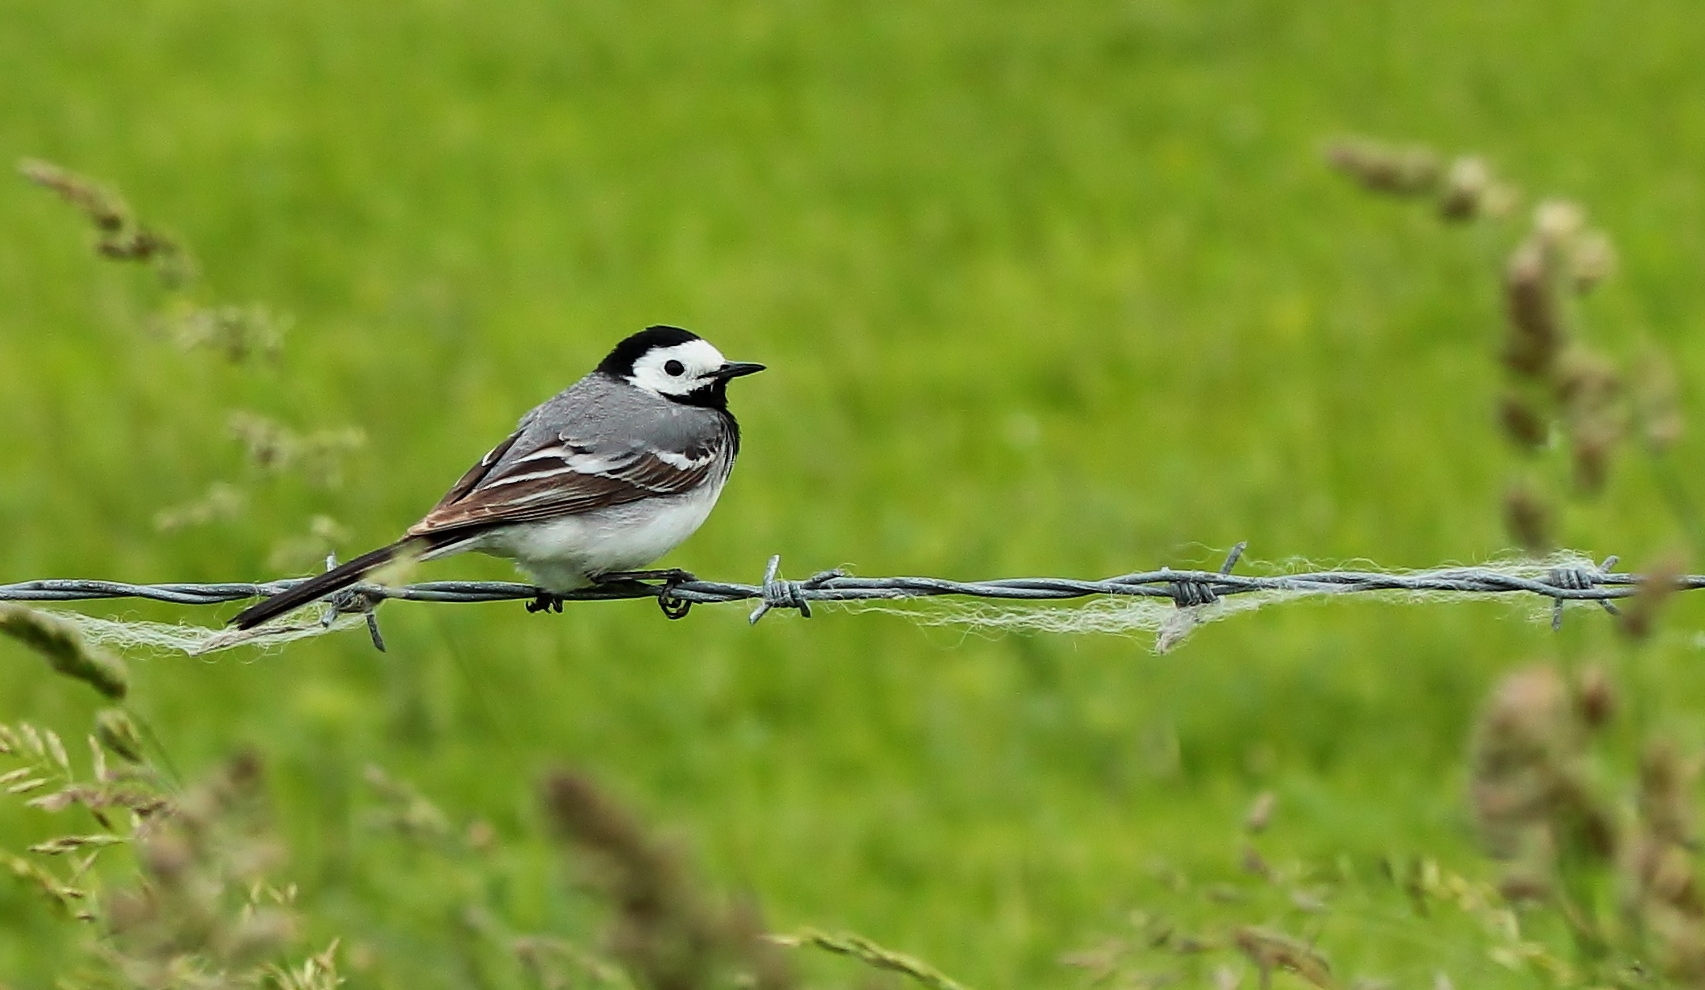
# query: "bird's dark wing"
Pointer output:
{"type": "Point", "coordinates": [570, 476]}
{"type": "Point", "coordinates": [475, 474]}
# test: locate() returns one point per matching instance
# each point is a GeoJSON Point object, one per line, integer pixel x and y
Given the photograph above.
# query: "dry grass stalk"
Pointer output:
{"type": "Point", "coordinates": [1462, 189]}
{"type": "Point", "coordinates": [1533, 802]}
{"type": "Point", "coordinates": [63, 647]}
{"type": "Point", "coordinates": [1415, 170]}
{"type": "Point", "coordinates": [119, 235]}
{"type": "Point", "coordinates": [201, 912]}
{"type": "Point", "coordinates": [317, 972]}
{"type": "Point", "coordinates": [1660, 879]}
{"type": "Point", "coordinates": [274, 447]}
{"type": "Point", "coordinates": [543, 958]}
{"type": "Point", "coordinates": [198, 912]}
{"type": "Point", "coordinates": [868, 952]}
{"type": "Point", "coordinates": [406, 811]}
{"type": "Point", "coordinates": [1528, 783]}
{"type": "Point", "coordinates": [236, 333]}
{"type": "Point", "coordinates": [101, 205]}
{"type": "Point", "coordinates": [666, 931]}
{"type": "Point", "coordinates": [1555, 380]}
{"type": "Point", "coordinates": [1268, 950]}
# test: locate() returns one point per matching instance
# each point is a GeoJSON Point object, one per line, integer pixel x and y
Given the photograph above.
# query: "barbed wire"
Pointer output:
{"type": "Point", "coordinates": [1560, 579]}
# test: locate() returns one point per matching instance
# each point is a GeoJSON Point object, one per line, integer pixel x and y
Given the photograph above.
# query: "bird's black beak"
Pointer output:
{"type": "Point", "coordinates": [735, 369]}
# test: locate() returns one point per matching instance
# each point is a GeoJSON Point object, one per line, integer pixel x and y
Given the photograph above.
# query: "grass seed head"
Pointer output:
{"type": "Point", "coordinates": [118, 234]}
{"type": "Point", "coordinates": [117, 733]}
{"type": "Point", "coordinates": [1469, 191]}
{"type": "Point", "coordinates": [1520, 741]}
{"type": "Point", "coordinates": [64, 649]}
{"type": "Point", "coordinates": [236, 333]}
{"type": "Point", "coordinates": [1411, 171]}
{"type": "Point", "coordinates": [1592, 259]}
{"type": "Point", "coordinates": [407, 811]}
{"type": "Point", "coordinates": [1595, 697]}
{"type": "Point", "coordinates": [1528, 518]}
{"type": "Point", "coordinates": [1521, 423]}
{"type": "Point", "coordinates": [200, 911]}
{"type": "Point", "coordinates": [1268, 950]}
{"type": "Point", "coordinates": [104, 208]}
{"type": "Point", "coordinates": [274, 447]}
{"type": "Point", "coordinates": [668, 932]}
{"type": "Point", "coordinates": [1558, 222]}
{"type": "Point", "coordinates": [1260, 813]}
{"type": "Point", "coordinates": [872, 955]}
{"type": "Point", "coordinates": [1534, 315]}
{"type": "Point", "coordinates": [1589, 389]}
{"type": "Point", "coordinates": [1659, 877]}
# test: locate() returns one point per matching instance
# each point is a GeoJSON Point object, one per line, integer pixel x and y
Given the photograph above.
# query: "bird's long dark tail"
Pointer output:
{"type": "Point", "coordinates": [329, 583]}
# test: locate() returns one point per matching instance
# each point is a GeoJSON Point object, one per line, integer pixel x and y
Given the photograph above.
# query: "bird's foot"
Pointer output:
{"type": "Point", "coordinates": [545, 602]}
{"type": "Point", "coordinates": [673, 608]}
{"type": "Point", "coordinates": [672, 577]}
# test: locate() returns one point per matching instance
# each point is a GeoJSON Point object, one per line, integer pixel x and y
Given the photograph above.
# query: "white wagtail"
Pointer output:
{"type": "Point", "coordinates": [607, 476]}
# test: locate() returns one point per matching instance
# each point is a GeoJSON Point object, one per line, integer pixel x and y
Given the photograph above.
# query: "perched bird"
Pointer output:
{"type": "Point", "coordinates": [607, 476]}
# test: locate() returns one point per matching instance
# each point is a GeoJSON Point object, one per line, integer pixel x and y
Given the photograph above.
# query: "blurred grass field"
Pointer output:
{"type": "Point", "coordinates": [1044, 289]}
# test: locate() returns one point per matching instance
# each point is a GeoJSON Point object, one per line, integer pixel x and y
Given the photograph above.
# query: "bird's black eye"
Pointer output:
{"type": "Point", "coordinates": [674, 367]}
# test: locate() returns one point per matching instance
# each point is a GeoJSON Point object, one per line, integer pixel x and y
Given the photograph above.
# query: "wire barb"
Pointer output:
{"type": "Point", "coordinates": [777, 593]}
{"type": "Point", "coordinates": [354, 601]}
{"type": "Point", "coordinates": [1193, 592]}
{"type": "Point", "coordinates": [1578, 577]}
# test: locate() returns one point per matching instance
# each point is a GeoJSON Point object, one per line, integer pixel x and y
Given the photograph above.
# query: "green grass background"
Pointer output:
{"type": "Point", "coordinates": [1044, 289]}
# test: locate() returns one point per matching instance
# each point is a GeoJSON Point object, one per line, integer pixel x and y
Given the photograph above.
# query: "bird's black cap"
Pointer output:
{"type": "Point", "coordinates": [619, 363]}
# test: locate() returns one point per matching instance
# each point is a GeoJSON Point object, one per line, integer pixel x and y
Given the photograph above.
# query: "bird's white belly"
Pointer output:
{"type": "Point", "coordinates": [567, 553]}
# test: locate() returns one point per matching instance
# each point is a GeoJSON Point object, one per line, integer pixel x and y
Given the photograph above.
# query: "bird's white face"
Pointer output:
{"type": "Point", "coordinates": [679, 369]}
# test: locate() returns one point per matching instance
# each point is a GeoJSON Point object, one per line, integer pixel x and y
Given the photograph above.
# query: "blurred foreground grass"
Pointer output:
{"type": "Point", "coordinates": [1044, 289]}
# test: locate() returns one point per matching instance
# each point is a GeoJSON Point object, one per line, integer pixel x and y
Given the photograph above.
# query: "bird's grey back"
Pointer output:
{"type": "Point", "coordinates": [604, 415]}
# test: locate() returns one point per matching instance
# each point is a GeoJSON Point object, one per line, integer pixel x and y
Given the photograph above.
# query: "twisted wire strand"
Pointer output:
{"type": "Point", "coordinates": [1577, 582]}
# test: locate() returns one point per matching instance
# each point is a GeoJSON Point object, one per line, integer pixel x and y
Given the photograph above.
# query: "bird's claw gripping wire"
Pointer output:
{"type": "Point", "coordinates": [545, 602]}
{"type": "Point", "coordinates": [628, 584]}
{"type": "Point", "coordinates": [1578, 578]}
{"type": "Point", "coordinates": [673, 606]}
{"type": "Point", "coordinates": [777, 593]}
{"type": "Point", "coordinates": [1192, 592]}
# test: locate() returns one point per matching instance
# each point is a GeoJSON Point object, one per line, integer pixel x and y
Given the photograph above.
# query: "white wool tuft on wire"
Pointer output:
{"type": "Point", "coordinates": [142, 636]}
{"type": "Point", "coordinates": [1171, 624]}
